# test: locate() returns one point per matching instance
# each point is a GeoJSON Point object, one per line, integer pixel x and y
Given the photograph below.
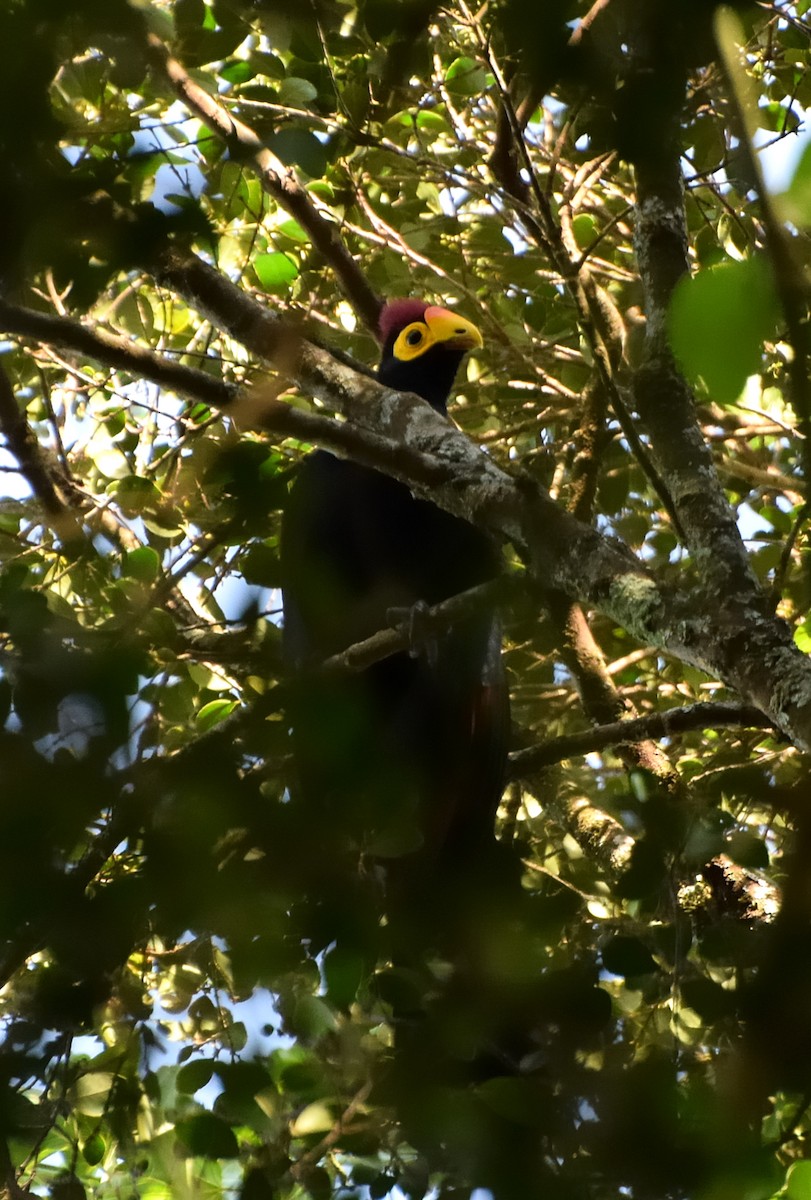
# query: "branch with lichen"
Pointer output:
{"type": "Point", "coordinates": [752, 653]}
{"type": "Point", "coordinates": [663, 398]}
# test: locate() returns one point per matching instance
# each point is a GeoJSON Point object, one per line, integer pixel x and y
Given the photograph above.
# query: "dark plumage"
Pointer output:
{"type": "Point", "coordinates": [408, 754]}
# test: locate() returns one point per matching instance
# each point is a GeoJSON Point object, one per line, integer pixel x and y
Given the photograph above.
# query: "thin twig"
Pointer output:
{"type": "Point", "coordinates": [704, 715]}
{"type": "Point", "coordinates": [33, 464]}
{"type": "Point", "coordinates": [115, 351]}
{"type": "Point", "coordinates": [278, 180]}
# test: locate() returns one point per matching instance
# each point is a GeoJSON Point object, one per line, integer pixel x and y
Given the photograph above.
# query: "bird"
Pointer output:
{"type": "Point", "coordinates": [406, 758]}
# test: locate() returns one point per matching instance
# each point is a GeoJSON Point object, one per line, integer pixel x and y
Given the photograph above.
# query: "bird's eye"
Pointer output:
{"type": "Point", "coordinates": [414, 337]}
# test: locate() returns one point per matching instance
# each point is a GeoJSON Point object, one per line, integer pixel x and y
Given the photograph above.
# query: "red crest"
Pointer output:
{"type": "Point", "coordinates": [397, 314]}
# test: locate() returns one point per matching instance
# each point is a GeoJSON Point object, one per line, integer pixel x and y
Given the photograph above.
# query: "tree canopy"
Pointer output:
{"type": "Point", "coordinates": [204, 204]}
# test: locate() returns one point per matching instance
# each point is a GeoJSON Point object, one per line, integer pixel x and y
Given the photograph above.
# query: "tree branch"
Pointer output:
{"type": "Point", "coordinates": [33, 464]}
{"type": "Point", "coordinates": [278, 180]}
{"type": "Point", "coordinates": [115, 351]}
{"type": "Point", "coordinates": [600, 321]}
{"type": "Point", "coordinates": [601, 700]}
{"type": "Point", "coordinates": [750, 651]}
{"type": "Point", "coordinates": [663, 398]}
{"type": "Point", "coordinates": [655, 725]}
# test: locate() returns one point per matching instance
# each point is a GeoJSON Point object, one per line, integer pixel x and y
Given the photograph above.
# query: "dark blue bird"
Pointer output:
{"type": "Point", "coordinates": [408, 755]}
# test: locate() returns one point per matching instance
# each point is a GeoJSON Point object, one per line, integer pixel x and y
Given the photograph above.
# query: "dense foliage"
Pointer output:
{"type": "Point", "coordinates": [199, 996]}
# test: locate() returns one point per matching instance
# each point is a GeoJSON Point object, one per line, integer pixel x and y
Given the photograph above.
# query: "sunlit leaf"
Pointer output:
{"type": "Point", "coordinates": [798, 1181]}
{"type": "Point", "coordinates": [465, 76]}
{"type": "Point", "coordinates": [315, 1118]}
{"type": "Point", "coordinates": [719, 319]}
{"type": "Point", "coordinates": [142, 563]}
{"type": "Point", "coordinates": [215, 711]}
{"type": "Point", "coordinates": [275, 271]}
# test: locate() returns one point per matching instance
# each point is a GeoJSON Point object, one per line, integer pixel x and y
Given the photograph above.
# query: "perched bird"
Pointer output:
{"type": "Point", "coordinates": [407, 756]}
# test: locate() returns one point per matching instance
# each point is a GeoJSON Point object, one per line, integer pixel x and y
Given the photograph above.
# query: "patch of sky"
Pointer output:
{"type": "Point", "coordinates": [560, 675]}
{"type": "Point", "coordinates": [517, 240]}
{"type": "Point", "coordinates": [172, 178]}
{"type": "Point", "coordinates": [778, 153]}
{"type": "Point", "coordinates": [258, 1013]}
{"type": "Point", "coordinates": [779, 156]}
{"type": "Point", "coordinates": [239, 599]}
{"type": "Point", "coordinates": [452, 198]}
{"type": "Point", "coordinates": [750, 524]}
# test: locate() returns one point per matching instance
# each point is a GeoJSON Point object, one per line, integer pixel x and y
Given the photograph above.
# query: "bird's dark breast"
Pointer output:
{"type": "Point", "coordinates": [410, 750]}
{"type": "Point", "coordinates": [357, 543]}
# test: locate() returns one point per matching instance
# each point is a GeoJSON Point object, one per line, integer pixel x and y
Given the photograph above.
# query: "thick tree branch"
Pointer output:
{"type": "Point", "coordinates": [348, 441]}
{"type": "Point", "coordinates": [663, 398]}
{"type": "Point", "coordinates": [751, 652]}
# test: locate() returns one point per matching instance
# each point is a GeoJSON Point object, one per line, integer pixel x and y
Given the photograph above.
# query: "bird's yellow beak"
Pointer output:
{"type": "Point", "coordinates": [451, 329]}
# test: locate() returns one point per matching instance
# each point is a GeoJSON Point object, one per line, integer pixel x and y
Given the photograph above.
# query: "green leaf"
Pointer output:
{"type": "Point", "coordinates": [293, 230]}
{"type": "Point", "coordinates": [798, 1181]}
{"type": "Point", "coordinates": [189, 14]}
{"type": "Point", "coordinates": [718, 321]}
{"type": "Point", "coordinates": [802, 637]}
{"type": "Point", "coordinates": [275, 272]}
{"type": "Point", "coordinates": [314, 1118]}
{"type": "Point", "coordinates": [312, 1017]}
{"type": "Point", "coordinates": [134, 494]}
{"type": "Point", "coordinates": [708, 999]}
{"type": "Point", "coordinates": [93, 1149]}
{"type": "Point", "coordinates": [297, 1071]}
{"type": "Point", "coordinates": [194, 1075]}
{"type": "Point", "coordinates": [297, 92]}
{"type": "Point", "coordinates": [143, 563]}
{"type": "Point", "coordinates": [430, 120]}
{"type": "Point", "coordinates": [237, 1036]}
{"type": "Point", "coordinates": [214, 712]}
{"type": "Point", "coordinates": [466, 77]}
{"type": "Point", "coordinates": [239, 71]}
{"type": "Point", "coordinates": [584, 229]}
{"type": "Point", "coordinates": [90, 1093]}
{"type": "Point", "coordinates": [206, 1136]}
{"type": "Point", "coordinates": [343, 974]}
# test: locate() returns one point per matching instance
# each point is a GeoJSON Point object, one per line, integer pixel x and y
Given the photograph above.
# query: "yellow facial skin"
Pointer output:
{"type": "Point", "coordinates": [438, 326]}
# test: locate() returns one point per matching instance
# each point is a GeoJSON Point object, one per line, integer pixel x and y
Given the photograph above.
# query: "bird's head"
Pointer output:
{"type": "Point", "coordinates": [423, 346]}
